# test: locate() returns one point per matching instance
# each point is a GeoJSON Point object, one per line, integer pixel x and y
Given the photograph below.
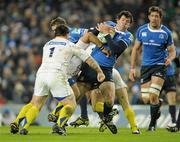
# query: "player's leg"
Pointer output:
{"type": "Point", "coordinates": [145, 92]}
{"type": "Point", "coordinates": [15, 124]}
{"type": "Point", "coordinates": [82, 100]}
{"type": "Point", "coordinates": [66, 111]}
{"type": "Point", "coordinates": [97, 100]}
{"type": "Point", "coordinates": [154, 91]}
{"type": "Point", "coordinates": [175, 127]}
{"type": "Point", "coordinates": [108, 90]}
{"type": "Point", "coordinates": [122, 95]}
{"type": "Point", "coordinates": [32, 113]}
{"type": "Point", "coordinates": [62, 91]}
{"type": "Point", "coordinates": [68, 107]}
{"type": "Point", "coordinates": [178, 121]}
{"type": "Point", "coordinates": [170, 88]}
{"type": "Point", "coordinates": [171, 97]}
{"type": "Point", "coordinates": [145, 83]}
{"type": "Point", "coordinates": [31, 110]}
{"type": "Point", "coordinates": [53, 116]}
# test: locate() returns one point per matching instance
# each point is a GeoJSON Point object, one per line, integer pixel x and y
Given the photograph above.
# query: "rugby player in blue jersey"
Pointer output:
{"type": "Point", "coordinates": [154, 38]}
{"type": "Point", "coordinates": [124, 19]}
{"type": "Point", "coordinates": [116, 43]}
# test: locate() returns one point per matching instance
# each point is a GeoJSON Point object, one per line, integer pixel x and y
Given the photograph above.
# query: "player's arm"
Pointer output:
{"type": "Point", "coordinates": [94, 31]}
{"type": "Point", "coordinates": [116, 47]}
{"type": "Point", "coordinates": [135, 50]}
{"type": "Point", "coordinates": [172, 54]}
{"type": "Point", "coordinates": [85, 57]}
{"type": "Point", "coordinates": [91, 37]}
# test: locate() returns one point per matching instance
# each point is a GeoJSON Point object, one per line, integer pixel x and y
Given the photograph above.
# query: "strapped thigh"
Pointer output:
{"type": "Point", "coordinates": [155, 89]}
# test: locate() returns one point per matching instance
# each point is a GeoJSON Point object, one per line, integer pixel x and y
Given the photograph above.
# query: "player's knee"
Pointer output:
{"type": "Point", "coordinates": [69, 109]}
{"type": "Point", "coordinates": [145, 100]}
{"type": "Point", "coordinates": [155, 89]}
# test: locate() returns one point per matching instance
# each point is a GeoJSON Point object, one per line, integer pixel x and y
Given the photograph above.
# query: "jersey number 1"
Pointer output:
{"type": "Point", "coordinates": [51, 51]}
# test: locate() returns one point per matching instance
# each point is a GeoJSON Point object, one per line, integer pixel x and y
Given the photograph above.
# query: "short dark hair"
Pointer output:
{"type": "Point", "coordinates": [61, 30]}
{"type": "Point", "coordinates": [127, 14]}
{"type": "Point", "coordinates": [155, 9]}
{"type": "Point", "coordinates": [57, 21]}
{"type": "Point", "coordinates": [61, 26]}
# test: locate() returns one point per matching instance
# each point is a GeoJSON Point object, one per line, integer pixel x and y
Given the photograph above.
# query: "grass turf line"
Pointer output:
{"type": "Point", "coordinates": [43, 134]}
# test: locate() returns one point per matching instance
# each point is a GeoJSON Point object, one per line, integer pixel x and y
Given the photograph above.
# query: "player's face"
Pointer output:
{"type": "Point", "coordinates": [124, 22]}
{"type": "Point", "coordinates": [155, 19]}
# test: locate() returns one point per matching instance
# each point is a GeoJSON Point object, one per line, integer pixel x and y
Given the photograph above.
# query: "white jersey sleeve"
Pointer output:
{"type": "Point", "coordinates": [82, 54]}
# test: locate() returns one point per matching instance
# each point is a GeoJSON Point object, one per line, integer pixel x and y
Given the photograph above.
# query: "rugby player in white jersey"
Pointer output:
{"type": "Point", "coordinates": [52, 77]}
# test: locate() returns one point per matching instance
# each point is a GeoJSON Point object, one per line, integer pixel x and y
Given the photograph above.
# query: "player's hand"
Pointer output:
{"type": "Point", "coordinates": [167, 62]}
{"type": "Point", "coordinates": [132, 74]}
{"type": "Point", "coordinates": [100, 76]}
{"type": "Point", "coordinates": [104, 28]}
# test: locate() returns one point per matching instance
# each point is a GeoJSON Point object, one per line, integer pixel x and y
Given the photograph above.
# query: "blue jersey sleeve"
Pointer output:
{"type": "Point", "coordinates": [138, 35]}
{"type": "Point", "coordinates": [75, 34]}
{"type": "Point", "coordinates": [170, 39]}
{"type": "Point", "coordinates": [128, 39]}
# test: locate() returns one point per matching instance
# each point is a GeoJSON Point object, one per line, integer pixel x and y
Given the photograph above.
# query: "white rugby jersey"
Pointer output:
{"type": "Point", "coordinates": [76, 62]}
{"type": "Point", "coordinates": [57, 54]}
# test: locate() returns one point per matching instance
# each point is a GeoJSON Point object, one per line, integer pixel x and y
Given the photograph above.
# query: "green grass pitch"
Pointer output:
{"type": "Point", "coordinates": [43, 134]}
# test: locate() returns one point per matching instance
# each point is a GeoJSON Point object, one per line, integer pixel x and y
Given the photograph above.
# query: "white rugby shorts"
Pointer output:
{"type": "Point", "coordinates": [53, 82]}
{"type": "Point", "coordinates": [119, 83]}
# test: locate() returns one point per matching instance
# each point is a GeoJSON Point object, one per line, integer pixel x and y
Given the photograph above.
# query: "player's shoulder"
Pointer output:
{"type": "Point", "coordinates": [128, 33]}
{"type": "Point", "coordinates": [166, 29]}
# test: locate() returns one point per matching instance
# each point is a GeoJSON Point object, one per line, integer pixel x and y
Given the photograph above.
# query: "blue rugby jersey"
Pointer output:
{"type": "Point", "coordinates": [154, 43]}
{"type": "Point", "coordinates": [101, 58]}
{"type": "Point", "coordinates": [75, 34]}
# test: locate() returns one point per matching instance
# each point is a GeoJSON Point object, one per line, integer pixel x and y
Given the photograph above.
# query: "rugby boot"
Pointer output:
{"type": "Point", "coordinates": [23, 131]}
{"type": "Point", "coordinates": [52, 118]}
{"type": "Point", "coordinates": [79, 122]}
{"type": "Point", "coordinates": [14, 128]}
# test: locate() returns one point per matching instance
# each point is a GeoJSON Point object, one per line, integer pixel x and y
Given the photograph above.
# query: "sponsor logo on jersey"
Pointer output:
{"type": "Point", "coordinates": [161, 36]}
{"type": "Point", "coordinates": [151, 40]}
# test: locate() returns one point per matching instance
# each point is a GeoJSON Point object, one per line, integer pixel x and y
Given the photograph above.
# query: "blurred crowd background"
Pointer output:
{"type": "Point", "coordinates": [24, 29]}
